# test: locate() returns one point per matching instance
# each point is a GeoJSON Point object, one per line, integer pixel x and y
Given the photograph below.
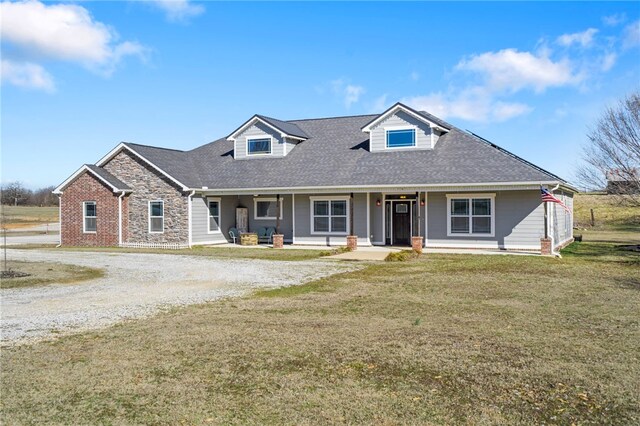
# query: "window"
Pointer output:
{"type": "Point", "coordinates": [329, 216]}
{"type": "Point", "coordinates": [259, 146]}
{"type": "Point", "coordinates": [156, 216]}
{"type": "Point", "coordinates": [266, 208]}
{"type": "Point", "coordinates": [401, 138]}
{"type": "Point", "coordinates": [214, 216]}
{"type": "Point", "coordinates": [89, 217]}
{"type": "Point", "coordinates": [471, 215]}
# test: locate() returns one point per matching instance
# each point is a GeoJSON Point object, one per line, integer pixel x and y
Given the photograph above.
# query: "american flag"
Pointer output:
{"type": "Point", "coordinates": [549, 197]}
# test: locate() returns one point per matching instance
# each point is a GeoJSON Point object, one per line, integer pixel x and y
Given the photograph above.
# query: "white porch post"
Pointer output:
{"type": "Point", "coordinates": [369, 217]}
{"type": "Point", "coordinates": [293, 218]}
{"type": "Point", "coordinates": [426, 217]}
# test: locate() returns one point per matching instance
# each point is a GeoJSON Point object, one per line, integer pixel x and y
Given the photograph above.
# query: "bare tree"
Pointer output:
{"type": "Point", "coordinates": [612, 155]}
{"type": "Point", "coordinates": [13, 193]}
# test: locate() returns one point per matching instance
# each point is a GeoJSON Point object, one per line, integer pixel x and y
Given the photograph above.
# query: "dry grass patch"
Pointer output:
{"type": "Point", "coordinates": [265, 253]}
{"type": "Point", "coordinates": [42, 273]}
{"type": "Point", "coordinates": [17, 217]}
{"type": "Point", "coordinates": [443, 339]}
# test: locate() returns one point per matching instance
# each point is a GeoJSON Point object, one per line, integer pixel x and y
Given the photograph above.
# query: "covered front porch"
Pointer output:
{"type": "Point", "coordinates": [490, 218]}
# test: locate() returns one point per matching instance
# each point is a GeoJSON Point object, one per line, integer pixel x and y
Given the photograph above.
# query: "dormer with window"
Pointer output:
{"type": "Point", "coordinates": [264, 137]}
{"type": "Point", "coordinates": [402, 128]}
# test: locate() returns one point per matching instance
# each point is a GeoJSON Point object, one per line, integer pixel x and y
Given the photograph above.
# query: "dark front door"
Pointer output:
{"type": "Point", "coordinates": [402, 223]}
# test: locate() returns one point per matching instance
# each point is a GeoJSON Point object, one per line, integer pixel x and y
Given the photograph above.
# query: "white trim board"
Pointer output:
{"type": "Point", "coordinates": [77, 173]}
{"type": "Point", "coordinates": [399, 107]}
{"type": "Point", "coordinates": [122, 146]}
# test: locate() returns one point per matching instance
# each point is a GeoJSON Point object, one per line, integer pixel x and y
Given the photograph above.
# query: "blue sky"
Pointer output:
{"type": "Point", "coordinates": [79, 77]}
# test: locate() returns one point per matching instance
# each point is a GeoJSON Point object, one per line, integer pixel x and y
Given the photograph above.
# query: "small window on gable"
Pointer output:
{"type": "Point", "coordinates": [401, 138]}
{"type": "Point", "coordinates": [90, 217]}
{"type": "Point", "coordinates": [258, 146]}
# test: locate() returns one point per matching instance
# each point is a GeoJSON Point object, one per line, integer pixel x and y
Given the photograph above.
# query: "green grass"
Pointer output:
{"type": "Point", "coordinates": [42, 273]}
{"type": "Point", "coordinates": [15, 217]}
{"type": "Point", "coordinates": [614, 222]}
{"type": "Point", "coordinates": [218, 252]}
{"type": "Point", "coordinates": [442, 339]}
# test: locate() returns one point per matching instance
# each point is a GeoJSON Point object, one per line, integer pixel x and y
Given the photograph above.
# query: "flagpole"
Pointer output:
{"type": "Point", "coordinates": [546, 221]}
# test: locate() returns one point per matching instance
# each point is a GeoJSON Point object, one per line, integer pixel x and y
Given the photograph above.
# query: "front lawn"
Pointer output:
{"type": "Point", "coordinates": [42, 273]}
{"type": "Point", "coordinates": [444, 339]}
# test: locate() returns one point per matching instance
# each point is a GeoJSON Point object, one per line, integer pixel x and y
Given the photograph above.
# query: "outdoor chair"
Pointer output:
{"type": "Point", "coordinates": [263, 236]}
{"type": "Point", "coordinates": [233, 234]}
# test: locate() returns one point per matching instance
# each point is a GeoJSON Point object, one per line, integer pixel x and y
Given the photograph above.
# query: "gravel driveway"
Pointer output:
{"type": "Point", "coordinates": [137, 285]}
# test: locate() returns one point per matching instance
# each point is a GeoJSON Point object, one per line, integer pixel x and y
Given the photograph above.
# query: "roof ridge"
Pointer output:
{"type": "Point", "coordinates": [330, 118]}
{"type": "Point", "coordinates": [152, 146]}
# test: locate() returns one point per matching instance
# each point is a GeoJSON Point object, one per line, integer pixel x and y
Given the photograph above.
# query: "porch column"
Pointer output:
{"type": "Point", "coordinates": [277, 213]}
{"type": "Point", "coordinates": [293, 218]}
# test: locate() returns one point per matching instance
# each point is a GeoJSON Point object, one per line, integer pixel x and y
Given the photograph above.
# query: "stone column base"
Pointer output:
{"type": "Point", "coordinates": [545, 246]}
{"type": "Point", "coordinates": [278, 241]}
{"type": "Point", "coordinates": [416, 244]}
{"type": "Point", "coordinates": [352, 242]}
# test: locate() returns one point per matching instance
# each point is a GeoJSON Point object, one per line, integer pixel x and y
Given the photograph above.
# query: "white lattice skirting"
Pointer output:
{"type": "Point", "coordinates": [167, 246]}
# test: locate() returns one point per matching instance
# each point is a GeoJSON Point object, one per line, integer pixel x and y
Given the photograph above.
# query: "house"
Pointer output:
{"type": "Point", "coordinates": [384, 178]}
{"type": "Point", "coordinates": [623, 181]}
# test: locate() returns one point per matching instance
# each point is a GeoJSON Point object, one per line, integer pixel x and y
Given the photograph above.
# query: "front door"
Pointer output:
{"type": "Point", "coordinates": [401, 223]}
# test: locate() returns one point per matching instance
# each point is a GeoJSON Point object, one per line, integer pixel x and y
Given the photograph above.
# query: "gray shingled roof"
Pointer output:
{"type": "Point", "coordinates": [285, 126]}
{"type": "Point", "coordinates": [113, 181]}
{"type": "Point", "coordinates": [336, 153]}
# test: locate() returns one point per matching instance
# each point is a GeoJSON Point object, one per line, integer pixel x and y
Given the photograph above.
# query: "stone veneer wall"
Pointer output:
{"type": "Point", "coordinates": [88, 188]}
{"type": "Point", "coordinates": [149, 185]}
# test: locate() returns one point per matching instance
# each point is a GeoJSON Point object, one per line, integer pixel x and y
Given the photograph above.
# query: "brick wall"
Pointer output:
{"type": "Point", "coordinates": [87, 188]}
{"type": "Point", "coordinates": [149, 185]}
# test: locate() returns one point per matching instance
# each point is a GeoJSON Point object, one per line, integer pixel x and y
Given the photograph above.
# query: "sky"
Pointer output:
{"type": "Point", "coordinates": [79, 77]}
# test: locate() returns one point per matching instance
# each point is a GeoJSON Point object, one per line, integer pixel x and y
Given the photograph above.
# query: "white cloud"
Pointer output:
{"type": "Point", "coordinates": [615, 19]}
{"type": "Point", "coordinates": [352, 94]}
{"type": "Point", "coordinates": [27, 75]}
{"type": "Point", "coordinates": [64, 32]}
{"type": "Point", "coordinates": [379, 104]}
{"type": "Point", "coordinates": [512, 70]}
{"type": "Point", "coordinates": [608, 61]}
{"type": "Point", "coordinates": [178, 10]}
{"type": "Point", "coordinates": [584, 39]}
{"type": "Point", "coordinates": [349, 92]}
{"type": "Point", "coordinates": [631, 36]}
{"type": "Point", "coordinates": [473, 104]}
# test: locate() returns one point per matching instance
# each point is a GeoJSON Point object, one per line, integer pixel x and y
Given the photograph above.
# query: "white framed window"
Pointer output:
{"type": "Point", "coordinates": [400, 137]}
{"type": "Point", "coordinates": [259, 145]}
{"type": "Point", "coordinates": [329, 215]}
{"type": "Point", "coordinates": [471, 215]}
{"type": "Point", "coordinates": [213, 206]}
{"type": "Point", "coordinates": [89, 217]}
{"type": "Point", "coordinates": [266, 208]}
{"type": "Point", "coordinates": [156, 217]}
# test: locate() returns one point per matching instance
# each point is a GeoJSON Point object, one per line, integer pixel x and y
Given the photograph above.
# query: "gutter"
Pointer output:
{"type": "Point", "coordinates": [190, 210]}
{"type": "Point", "coordinates": [59, 217]}
{"type": "Point", "coordinates": [120, 197]}
{"type": "Point", "coordinates": [553, 243]}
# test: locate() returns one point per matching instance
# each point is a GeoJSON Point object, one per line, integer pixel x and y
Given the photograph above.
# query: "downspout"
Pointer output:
{"type": "Point", "coordinates": [551, 216]}
{"type": "Point", "coordinates": [189, 204]}
{"type": "Point", "coordinates": [120, 197]}
{"type": "Point", "coordinates": [60, 218]}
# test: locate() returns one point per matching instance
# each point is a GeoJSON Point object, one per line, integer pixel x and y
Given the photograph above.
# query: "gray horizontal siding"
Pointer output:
{"type": "Point", "coordinates": [562, 220]}
{"type": "Point", "coordinates": [303, 221]}
{"type": "Point", "coordinates": [259, 129]}
{"type": "Point", "coordinates": [519, 222]}
{"type": "Point", "coordinates": [378, 135]}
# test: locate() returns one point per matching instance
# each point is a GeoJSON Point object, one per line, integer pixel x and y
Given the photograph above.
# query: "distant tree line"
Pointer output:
{"type": "Point", "coordinates": [16, 194]}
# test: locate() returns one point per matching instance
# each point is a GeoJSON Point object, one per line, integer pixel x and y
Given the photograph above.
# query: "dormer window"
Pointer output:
{"type": "Point", "coordinates": [259, 146]}
{"type": "Point", "coordinates": [401, 138]}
